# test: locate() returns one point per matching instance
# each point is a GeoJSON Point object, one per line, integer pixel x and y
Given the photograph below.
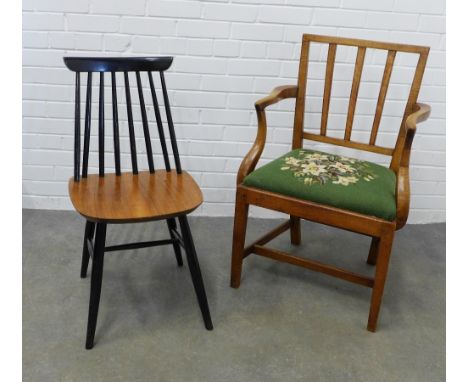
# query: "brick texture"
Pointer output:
{"type": "Point", "coordinates": [228, 54]}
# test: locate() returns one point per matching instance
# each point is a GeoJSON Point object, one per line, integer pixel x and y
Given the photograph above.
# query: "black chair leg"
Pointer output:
{"type": "Point", "coordinates": [89, 233]}
{"type": "Point", "coordinates": [195, 271]}
{"type": "Point", "coordinates": [96, 281]}
{"type": "Point", "coordinates": [171, 224]}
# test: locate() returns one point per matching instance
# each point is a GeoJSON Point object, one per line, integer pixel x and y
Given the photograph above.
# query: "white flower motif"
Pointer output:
{"type": "Point", "coordinates": [313, 169]}
{"type": "Point", "coordinates": [292, 161]}
{"type": "Point", "coordinates": [317, 156]}
{"type": "Point", "coordinates": [345, 180]}
{"type": "Point", "coordinates": [343, 167]}
{"type": "Point", "coordinates": [320, 168]}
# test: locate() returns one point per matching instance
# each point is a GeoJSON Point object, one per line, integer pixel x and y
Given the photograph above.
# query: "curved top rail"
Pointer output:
{"type": "Point", "coordinates": [117, 64]}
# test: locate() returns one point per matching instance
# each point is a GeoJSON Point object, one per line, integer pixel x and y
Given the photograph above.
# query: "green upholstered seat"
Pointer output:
{"type": "Point", "coordinates": [329, 179]}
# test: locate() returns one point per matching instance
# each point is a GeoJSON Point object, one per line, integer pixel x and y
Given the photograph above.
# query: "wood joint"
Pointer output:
{"type": "Point", "coordinates": [268, 237]}
{"type": "Point", "coordinates": [313, 265]}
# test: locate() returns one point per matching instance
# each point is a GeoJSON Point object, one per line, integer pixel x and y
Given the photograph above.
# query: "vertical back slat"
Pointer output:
{"type": "Point", "coordinates": [327, 88]}
{"type": "Point", "coordinates": [301, 91]}
{"type": "Point", "coordinates": [412, 98]}
{"type": "Point", "coordinates": [77, 128]}
{"type": "Point", "coordinates": [157, 113]}
{"type": "Point", "coordinates": [101, 124]}
{"type": "Point", "coordinates": [115, 113]}
{"type": "Point", "coordinates": [354, 91]}
{"type": "Point", "coordinates": [87, 132]}
{"type": "Point", "coordinates": [131, 129]}
{"type": "Point", "coordinates": [149, 151]}
{"type": "Point", "coordinates": [382, 95]}
{"type": "Point", "coordinates": [170, 123]}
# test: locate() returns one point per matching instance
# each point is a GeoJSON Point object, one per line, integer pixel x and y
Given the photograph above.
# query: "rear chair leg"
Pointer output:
{"type": "Point", "coordinates": [373, 251]}
{"type": "Point", "coordinates": [88, 235]}
{"type": "Point", "coordinates": [295, 230]}
{"type": "Point", "coordinates": [238, 239]}
{"type": "Point", "coordinates": [195, 271]}
{"type": "Point", "coordinates": [383, 257]}
{"type": "Point", "coordinates": [96, 282]}
{"type": "Point", "coordinates": [171, 223]}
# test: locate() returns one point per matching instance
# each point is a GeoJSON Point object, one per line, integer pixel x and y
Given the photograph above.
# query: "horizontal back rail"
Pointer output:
{"type": "Point", "coordinates": [117, 64]}
{"type": "Point", "coordinates": [351, 144]}
{"type": "Point", "coordinates": [366, 43]}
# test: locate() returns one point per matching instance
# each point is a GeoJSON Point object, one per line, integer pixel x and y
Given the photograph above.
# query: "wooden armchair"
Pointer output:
{"type": "Point", "coordinates": [342, 192]}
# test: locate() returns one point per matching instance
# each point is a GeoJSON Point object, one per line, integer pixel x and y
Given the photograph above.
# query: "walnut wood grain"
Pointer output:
{"type": "Point", "coordinates": [135, 197]}
{"type": "Point", "coordinates": [361, 54]}
{"type": "Point", "coordinates": [268, 237]}
{"type": "Point", "coordinates": [301, 95]}
{"type": "Point", "coordinates": [382, 95]}
{"type": "Point", "coordinates": [327, 88]}
{"type": "Point", "coordinates": [402, 191]}
{"type": "Point", "coordinates": [277, 94]}
{"type": "Point", "coordinates": [313, 265]}
{"type": "Point", "coordinates": [351, 144]}
{"type": "Point", "coordinates": [365, 43]}
{"type": "Point", "coordinates": [381, 231]}
{"type": "Point", "coordinates": [411, 106]}
{"type": "Point", "coordinates": [320, 213]}
{"type": "Point", "coordinates": [250, 160]}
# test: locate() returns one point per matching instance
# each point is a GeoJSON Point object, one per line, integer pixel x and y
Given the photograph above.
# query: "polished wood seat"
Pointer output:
{"type": "Point", "coordinates": [135, 197]}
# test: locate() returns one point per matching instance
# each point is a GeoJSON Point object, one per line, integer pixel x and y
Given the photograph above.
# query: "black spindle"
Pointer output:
{"type": "Point", "coordinates": [115, 113]}
{"type": "Point", "coordinates": [130, 125]}
{"type": "Point", "coordinates": [175, 150]}
{"type": "Point", "coordinates": [101, 124]}
{"type": "Point", "coordinates": [144, 119]}
{"type": "Point", "coordinates": [162, 137]}
{"type": "Point", "coordinates": [87, 124]}
{"type": "Point", "coordinates": [77, 128]}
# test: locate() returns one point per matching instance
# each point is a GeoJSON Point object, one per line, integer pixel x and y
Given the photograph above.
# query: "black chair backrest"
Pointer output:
{"type": "Point", "coordinates": [112, 65]}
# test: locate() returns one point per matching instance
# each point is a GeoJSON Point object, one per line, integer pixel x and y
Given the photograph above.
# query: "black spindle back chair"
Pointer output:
{"type": "Point", "coordinates": [136, 196]}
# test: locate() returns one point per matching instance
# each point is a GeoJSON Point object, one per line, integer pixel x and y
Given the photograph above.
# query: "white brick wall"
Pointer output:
{"type": "Point", "coordinates": [228, 53]}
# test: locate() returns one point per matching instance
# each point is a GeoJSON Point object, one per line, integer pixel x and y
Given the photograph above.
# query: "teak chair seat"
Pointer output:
{"type": "Point", "coordinates": [136, 196]}
{"type": "Point", "coordinates": [379, 229]}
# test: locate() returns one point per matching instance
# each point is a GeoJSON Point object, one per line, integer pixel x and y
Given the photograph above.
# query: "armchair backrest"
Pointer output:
{"type": "Point", "coordinates": [362, 46]}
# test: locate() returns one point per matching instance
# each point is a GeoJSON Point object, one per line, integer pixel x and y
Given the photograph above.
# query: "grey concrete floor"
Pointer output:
{"type": "Point", "coordinates": [283, 324]}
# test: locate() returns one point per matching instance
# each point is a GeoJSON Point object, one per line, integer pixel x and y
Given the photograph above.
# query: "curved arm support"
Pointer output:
{"type": "Point", "coordinates": [250, 160]}
{"type": "Point", "coordinates": [403, 183]}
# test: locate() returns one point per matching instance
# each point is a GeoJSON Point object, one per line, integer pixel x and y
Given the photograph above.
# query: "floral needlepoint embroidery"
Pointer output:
{"type": "Point", "coordinates": [320, 168]}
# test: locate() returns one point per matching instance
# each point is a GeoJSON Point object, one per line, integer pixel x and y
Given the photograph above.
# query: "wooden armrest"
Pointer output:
{"type": "Point", "coordinates": [250, 160]}
{"type": "Point", "coordinates": [421, 113]}
{"type": "Point", "coordinates": [277, 94]}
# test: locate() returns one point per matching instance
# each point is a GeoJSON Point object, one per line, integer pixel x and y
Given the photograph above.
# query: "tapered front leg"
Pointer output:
{"type": "Point", "coordinates": [195, 271]}
{"type": "Point", "coordinates": [373, 251]}
{"type": "Point", "coordinates": [88, 235]}
{"type": "Point", "coordinates": [383, 257]}
{"type": "Point", "coordinates": [295, 230]}
{"type": "Point", "coordinates": [96, 282]}
{"type": "Point", "coordinates": [172, 225]}
{"type": "Point", "coordinates": [238, 239]}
